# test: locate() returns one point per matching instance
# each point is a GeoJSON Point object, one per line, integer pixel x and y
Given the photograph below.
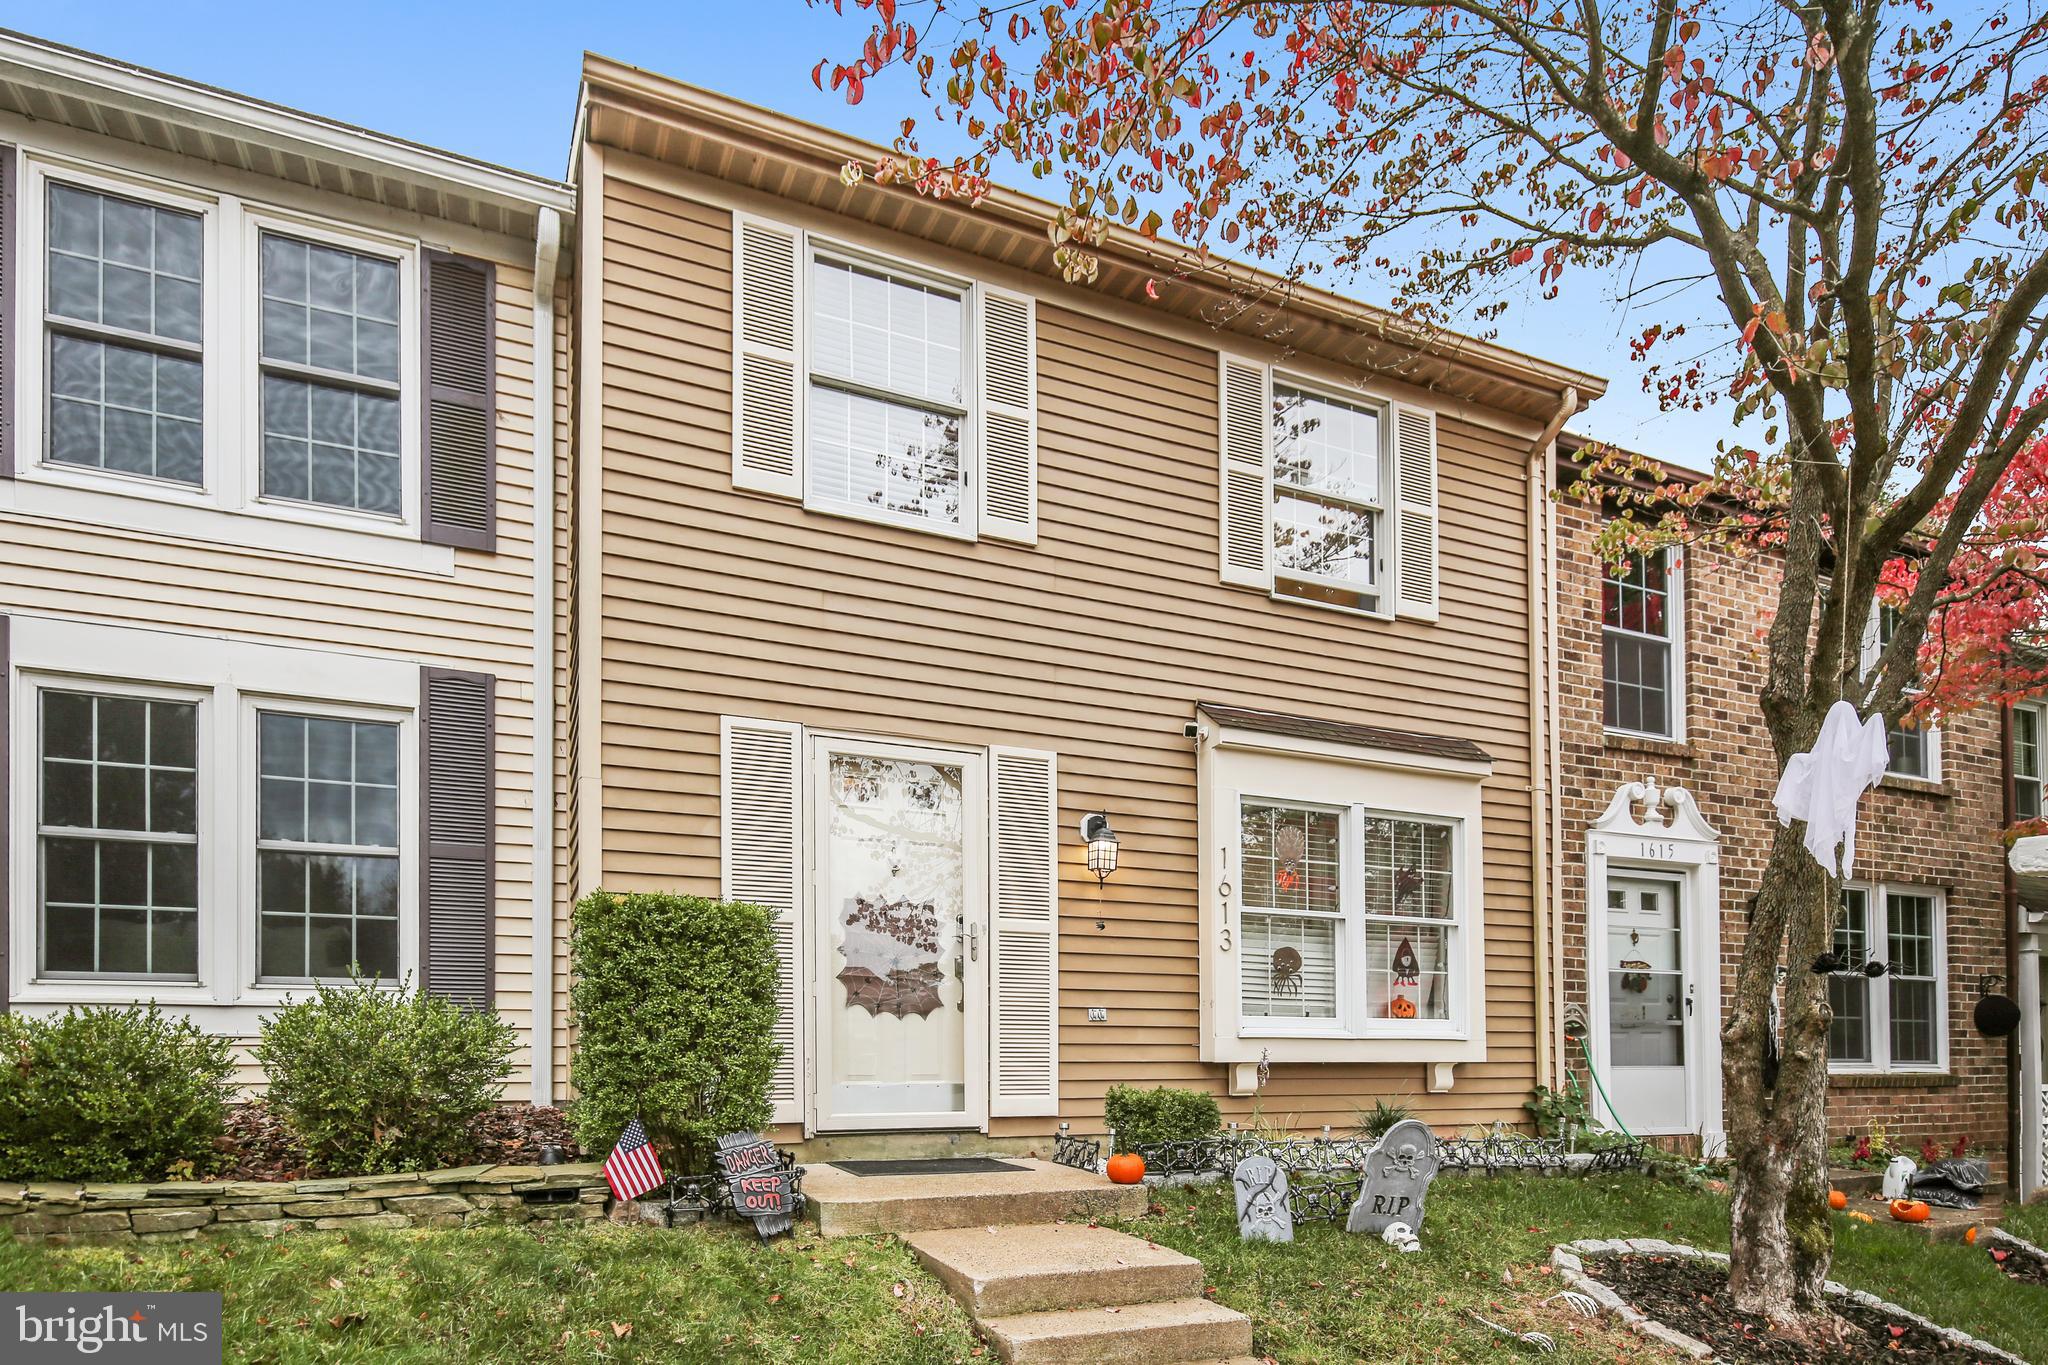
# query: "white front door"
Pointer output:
{"type": "Point", "coordinates": [1649, 1006]}
{"type": "Point", "coordinates": [901, 974]}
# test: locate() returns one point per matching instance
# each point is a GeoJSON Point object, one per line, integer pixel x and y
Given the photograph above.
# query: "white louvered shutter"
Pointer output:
{"type": "Point", "coordinates": [767, 331]}
{"type": "Point", "coordinates": [1247, 472]}
{"type": "Point", "coordinates": [1416, 552]}
{"type": "Point", "coordinates": [760, 848]}
{"type": "Point", "coordinates": [1024, 896]}
{"type": "Point", "coordinates": [1009, 415]}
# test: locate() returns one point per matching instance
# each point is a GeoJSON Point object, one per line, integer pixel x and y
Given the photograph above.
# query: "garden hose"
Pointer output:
{"type": "Point", "coordinates": [1603, 1091]}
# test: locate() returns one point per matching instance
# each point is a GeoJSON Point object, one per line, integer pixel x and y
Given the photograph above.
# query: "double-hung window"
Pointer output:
{"type": "Point", "coordinates": [329, 360]}
{"type": "Point", "coordinates": [1640, 630]}
{"type": "Point", "coordinates": [2029, 760]}
{"type": "Point", "coordinates": [888, 395]}
{"type": "Point", "coordinates": [1351, 919]}
{"type": "Point", "coordinates": [1328, 503]}
{"type": "Point", "coordinates": [1915, 743]}
{"type": "Point", "coordinates": [118, 833]}
{"type": "Point", "coordinates": [1891, 1022]}
{"type": "Point", "coordinates": [123, 286]}
{"type": "Point", "coordinates": [210, 354]}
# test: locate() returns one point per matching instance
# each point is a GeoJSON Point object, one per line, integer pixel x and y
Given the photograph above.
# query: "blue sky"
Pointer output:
{"type": "Point", "coordinates": [499, 82]}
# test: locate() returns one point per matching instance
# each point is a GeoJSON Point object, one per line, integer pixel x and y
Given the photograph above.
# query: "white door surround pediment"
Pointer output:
{"type": "Point", "coordinates": [1668, 815]}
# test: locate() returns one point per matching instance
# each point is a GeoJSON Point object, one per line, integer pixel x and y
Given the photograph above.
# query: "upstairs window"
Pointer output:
{"type": "Point", "coordinates": [2029, 763]}
{"type": "Point", "coordinates": [330, 361]}
{"type": "Point", "coordinates": [122, 308]}
{"type": "Point", "coordinates": [1639, 617]}
{"type": "Point", "coordinates": [1328, 545]}
{"type": "Point", "coordinates": [1915, 744]}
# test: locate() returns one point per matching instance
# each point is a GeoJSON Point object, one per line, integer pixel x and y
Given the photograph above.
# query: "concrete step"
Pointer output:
{"type": "Point", "coordinates": [848, 1205]}
{"type": "Point", "coordinates": [1166, 1333]}
{"type": "Point", "coordinates": [1003, 1271]}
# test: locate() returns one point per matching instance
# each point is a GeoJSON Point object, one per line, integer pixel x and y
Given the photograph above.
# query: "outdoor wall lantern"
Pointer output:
{"type": "Point", "coordinates": [1101, 841]}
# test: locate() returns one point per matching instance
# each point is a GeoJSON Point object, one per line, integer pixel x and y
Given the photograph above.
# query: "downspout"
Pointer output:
{"type": "Point", "coordinates": [547, 252]}
{"type": "Point", "coordinates": [1542, 672]}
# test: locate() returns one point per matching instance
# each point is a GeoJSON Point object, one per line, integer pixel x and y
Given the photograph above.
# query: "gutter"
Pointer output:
{"type": "Point", "coordinates": [1542, 714]}
{"type": "Point", "coordinates": [547, 253]}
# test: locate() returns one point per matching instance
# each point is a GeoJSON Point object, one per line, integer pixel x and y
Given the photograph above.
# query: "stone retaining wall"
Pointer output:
{"type": "Point", "coordinates": [181, 1210]}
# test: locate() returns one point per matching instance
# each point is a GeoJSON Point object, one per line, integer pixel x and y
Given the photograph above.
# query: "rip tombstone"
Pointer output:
{"type": "Point", "coordinates": [1262, 1211]}
{"type": "Point", "coordinates": [1397, 1175]}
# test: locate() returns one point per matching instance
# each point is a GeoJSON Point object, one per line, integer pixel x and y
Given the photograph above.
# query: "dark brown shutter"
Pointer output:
{"type": "Point", "coordinates": [457, 738]}
{"type": "Point", "coordinates": [7, 273]}
{"type": "Point", "coordinates": [6, 818]}
{"type": "Point", "coordinates": [461, 416]}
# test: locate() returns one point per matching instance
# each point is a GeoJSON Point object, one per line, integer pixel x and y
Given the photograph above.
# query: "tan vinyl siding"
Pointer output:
{"type": "Point", "coordinates": [480, 618]}
{"type": "Point", "coordinates": [1096, 643]}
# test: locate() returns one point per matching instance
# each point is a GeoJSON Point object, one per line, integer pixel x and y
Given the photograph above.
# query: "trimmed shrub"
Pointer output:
{"type": "Point", "coordinates": [1162, 1115]}
{"type": "Point", "coordinates": [110, 1094]}
{"type": "Point", "coordinates": [674, 1011]}
{"type": "Point", "coordinates": [372, 1079]}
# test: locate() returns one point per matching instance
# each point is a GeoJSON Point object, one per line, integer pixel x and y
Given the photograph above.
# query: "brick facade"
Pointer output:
{"type": "Point", "coordinates": [1941, 835]}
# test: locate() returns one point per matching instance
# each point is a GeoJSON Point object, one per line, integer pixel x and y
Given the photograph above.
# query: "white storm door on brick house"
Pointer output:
{"type": "Point", "coordinates": [901, 938]}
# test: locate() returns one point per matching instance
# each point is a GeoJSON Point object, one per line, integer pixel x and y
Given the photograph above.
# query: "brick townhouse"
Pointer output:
{"type": "Point", "coordinates": [1658, 674]}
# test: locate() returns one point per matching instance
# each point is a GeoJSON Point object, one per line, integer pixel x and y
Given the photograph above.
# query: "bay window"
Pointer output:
{"type": "Point", "coordinates": [1327, 500]}
{"type": "Point", "coordinates": [1350, 918]}
{"type": "Point", "coordinates": [1893, 1022]}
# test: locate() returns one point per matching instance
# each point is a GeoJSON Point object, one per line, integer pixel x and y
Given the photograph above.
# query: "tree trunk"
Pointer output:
{"type": "Point", "coordinates": [1780, 1238]}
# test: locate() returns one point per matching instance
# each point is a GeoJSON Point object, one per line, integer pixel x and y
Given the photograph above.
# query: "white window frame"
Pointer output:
{"type": "Point", "coordinates": [1878, 1002]}
{"type": "Point", "coordinates": [230, 681]}
{"type": "Point", "coordinates": [1382, 586]}
{"type": "Point", "coordinates": [2038, 778]}
{"type": "Point", "coordinates": [1674, 641]}
{"type": "Point", "coordinates": [231, 340]}
{"type": "Point", "coordinates": [1929, 731]}
{"type": "Point", "coordinates": [816, 247]}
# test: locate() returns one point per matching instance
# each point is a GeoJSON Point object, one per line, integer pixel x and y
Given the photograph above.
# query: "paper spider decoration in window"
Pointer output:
{"type": "Point", "coordinates": [1286, 971]}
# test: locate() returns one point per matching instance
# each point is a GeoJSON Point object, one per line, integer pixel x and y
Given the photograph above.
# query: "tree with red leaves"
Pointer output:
{"type": "Point", "coordinates": [1859, 182]}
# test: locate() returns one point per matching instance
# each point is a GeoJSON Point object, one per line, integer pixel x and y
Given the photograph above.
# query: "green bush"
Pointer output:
{"type": "Point", "coordinates": [110, 1094]}
{"type": "Point", "coordinates": [674, 1014]}
{"type": "Point", "coordinates": [372, 1079]}
{"type": "Point", "coordinates": [1162, 1115]}
{"type": "Point", "coordinates": [1373, 1123]}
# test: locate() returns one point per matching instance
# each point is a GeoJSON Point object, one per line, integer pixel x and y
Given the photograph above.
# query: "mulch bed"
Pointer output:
{"type": "Point", "coordinates": [2016, 1264]}
{"type": "Point", "coordinates": [258, 1146]}
{"type": "Point", "coordinates": [1691, 1296]}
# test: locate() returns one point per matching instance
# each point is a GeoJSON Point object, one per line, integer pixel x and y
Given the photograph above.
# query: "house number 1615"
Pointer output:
{"type": "Point", "coordinates": [1659, 852]}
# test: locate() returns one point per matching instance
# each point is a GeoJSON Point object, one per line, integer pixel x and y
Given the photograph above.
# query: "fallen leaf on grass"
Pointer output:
{"type": "Point", "coordinates": [622, 1329]}
{"type": "Point", "coordinates": [899, 1289]}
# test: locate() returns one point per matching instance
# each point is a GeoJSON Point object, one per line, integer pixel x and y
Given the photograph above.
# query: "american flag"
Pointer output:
{"type": "Point", "coordinates": [631, 1170]}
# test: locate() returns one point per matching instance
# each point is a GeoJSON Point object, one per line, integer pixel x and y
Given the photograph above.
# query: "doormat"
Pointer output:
{"type": "Point", "coordinates": [945, 1165]}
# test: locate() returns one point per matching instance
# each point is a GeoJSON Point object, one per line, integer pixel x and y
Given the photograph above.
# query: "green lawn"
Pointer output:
{"type": "Point", "coordinates": [563, 1292]}
{"type": "Point", "coordinates": [2029, 1221]}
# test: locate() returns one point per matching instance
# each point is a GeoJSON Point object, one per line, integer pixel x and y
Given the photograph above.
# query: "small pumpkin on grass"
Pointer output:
{"type": "Point", "coordinates": [1837, 1200]}
{"type": "Point", "coordinates": [1126, 1168]}
{"type": "Point", "coordinates": [1910, 1210]}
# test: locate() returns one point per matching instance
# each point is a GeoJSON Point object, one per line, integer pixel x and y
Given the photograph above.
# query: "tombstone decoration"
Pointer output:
{"type": "Point", "coordinates": [1263, 1214]}
{"type": "Point", "coordinates": [761, 1186]}
{"type": "Point", "coordinates": [1397, 1175]}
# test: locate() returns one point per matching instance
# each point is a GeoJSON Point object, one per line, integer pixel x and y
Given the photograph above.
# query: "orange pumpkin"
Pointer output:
{"type": "Point", "coordinates": [1126, 1168]}
{"type": "Point", "coordinates": [1910, 1210]}
{"type": "Point", "coordinates": [1837, 1200]}
{"type": "Point", "coordinates": [1970, 1237]}
{"type": "Point", "coordinates": [1400, 1007]}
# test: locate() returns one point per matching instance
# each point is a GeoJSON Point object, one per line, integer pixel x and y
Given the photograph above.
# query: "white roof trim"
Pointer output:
{"type": "Point", "coordinates": [124, 86]}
